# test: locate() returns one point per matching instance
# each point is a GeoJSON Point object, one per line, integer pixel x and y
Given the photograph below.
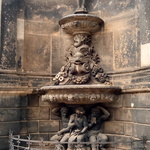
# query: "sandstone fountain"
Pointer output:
{"type": "Point", "coordinates": [81, 80]}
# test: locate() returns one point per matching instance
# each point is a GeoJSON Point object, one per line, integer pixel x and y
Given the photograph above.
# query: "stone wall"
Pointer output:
{"type": "Point", "coordinates": [33, 51]}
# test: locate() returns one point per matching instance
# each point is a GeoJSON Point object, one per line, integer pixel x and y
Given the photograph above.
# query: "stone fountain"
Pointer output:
{"type": "Point", "coordinates": [81, 80]}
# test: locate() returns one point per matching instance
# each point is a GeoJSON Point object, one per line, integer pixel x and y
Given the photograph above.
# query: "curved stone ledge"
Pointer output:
{"type": "Point", "coordinates": [81, 94]}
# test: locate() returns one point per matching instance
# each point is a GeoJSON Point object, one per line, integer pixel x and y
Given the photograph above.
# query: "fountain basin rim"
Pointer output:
{"type": "Point", "coordinates": [75, 17]}
{"type": "Point", "coordinates": [97, 86]}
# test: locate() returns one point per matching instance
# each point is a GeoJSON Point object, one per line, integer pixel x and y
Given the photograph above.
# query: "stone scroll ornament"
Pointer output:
{"type": "Point", "coordinates": [82, 64]}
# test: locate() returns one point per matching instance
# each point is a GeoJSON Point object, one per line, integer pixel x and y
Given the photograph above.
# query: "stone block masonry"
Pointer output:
{"type": "Point", "coordinates": [9, 118]}
{"type": "Point", "coordinates": [131, 120]}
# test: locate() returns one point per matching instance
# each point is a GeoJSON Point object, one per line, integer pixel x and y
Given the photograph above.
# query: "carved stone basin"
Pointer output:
{"type": "Point", "coordinates": [80, 94]}
{"type": "Point", "coordinates": [81, 23]}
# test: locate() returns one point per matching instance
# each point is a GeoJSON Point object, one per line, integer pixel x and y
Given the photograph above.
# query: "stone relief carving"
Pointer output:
{"type": "Point", "coordinates": [81, 127]}
{"type": "Point", "coordinates": [87, 24]}
{"type": "Point", "coordinates": [79, 98]}
{"type": "Point", "coordinates": [97, 117]}
{"type": "Point", "coordinates": [82, 64]}
{"type": "Point", "coordinates": [64, 134]}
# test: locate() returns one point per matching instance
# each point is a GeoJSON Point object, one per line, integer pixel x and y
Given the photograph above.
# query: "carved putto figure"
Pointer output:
{"type": "Point", "coordinates": [64, 134]}
{"type": "Point", "coordinates": [79, 124]}
{"type": "Point", "coordinates": [82, 64]}
{"type": "Point", "coordinates": [97, 117]}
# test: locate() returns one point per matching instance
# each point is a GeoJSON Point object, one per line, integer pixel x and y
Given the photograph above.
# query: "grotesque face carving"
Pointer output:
{"type": "Point", "coordinates": [81, 62]}
{"type": "Point", "coordinates": [82, 55]}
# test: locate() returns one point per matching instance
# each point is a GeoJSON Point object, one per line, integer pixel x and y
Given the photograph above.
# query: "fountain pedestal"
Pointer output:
{"type": "Point", "coordinates": [81, 81]}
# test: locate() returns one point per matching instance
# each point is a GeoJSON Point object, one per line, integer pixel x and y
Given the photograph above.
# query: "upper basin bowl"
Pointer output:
{"type": "Point", "coordinates": [81, 23]}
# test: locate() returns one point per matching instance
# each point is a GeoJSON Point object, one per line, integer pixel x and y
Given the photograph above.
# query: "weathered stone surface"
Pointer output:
{"type": "Point", "coordinates": [140, 145]}
{"type": "Point", "coordinates": [23, 127]}
{"type": "Point", "coordinates": [9, 115]}
{"type": "Point", "coordinates": [103, 45]}
{"type": "Point", "coordinates": [115, 7]}
{"type": "Point", "coordinates": [128, 129]}
{"type": "Point", "coordinates": [23, 101]}
{"type": "Point", "coordinates": [141, 116]}
{"type": "Point", "coordinates": [14, 83]}
{"type": "Point", "coordinates": [32, 126]}
{"type": "Point", "coordinates": [136, 100]}
{"type": "Point", "coordinates": [33, 100]}
{"type": "Point", "coordinates": [7, 101]}
{"type": "Point", "coordinates": [125, 49]}
{"type": "Point", "coordinates": [9, 17]}
{"type": "Point", "coordinates": [41, 27]}
{"type": "Point", "coordinates": [19, 57]}
{"type": "Point", "coordinates": [121, 142]}
{"type": "Point", "coordinates": [140, 129]}
{"type": "Point", "coordinates": [6, 127]}
{"type": "Point", "coordinates": [123, 114]}
{"type": "Point", "coordinates": [48, 126]}
{"type": "Point", "coordinates": [118, 103]}
{"type": "Point", "coordinates": [114, 127]}
{"type": "Point", "coordinates": [24, 114]}
{"type": "Point", "coordinates": [39, 47]}
{"type": "Point", "coordinates": [144, 21]}
{"type": "Point", "coordinates": [4, 144]}
{"type": "Point", "coordinates": [55, 7]}
{"type": "Point", "coordinates": [58, 52]}
{"type": "Point", "coordinates": [42, 113]}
